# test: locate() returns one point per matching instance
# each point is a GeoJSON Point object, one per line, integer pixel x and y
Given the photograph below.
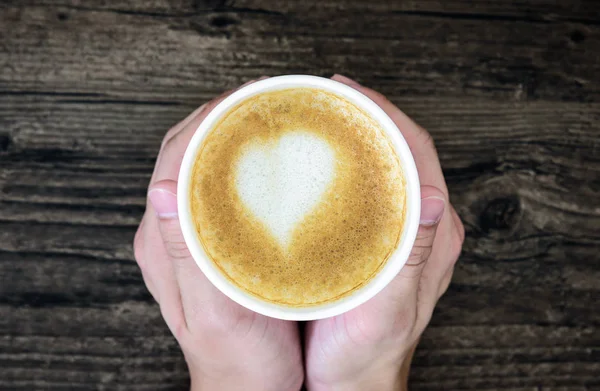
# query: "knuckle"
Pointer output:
{"type": "Point", "coordinates": [425, 312]}
{"type": "Point", "coordinates": [365, 331]}
{"type": "Point", "coordinates": [178, 328]}
{"type": "Point", "coordinates": [138, 248]}
{"type": "Point", "coordinates": [457, 237]}
{"type": "Point", "coordinates": [174, 241]}
{"type": "Point", "coordinates": [378, 95]}
{"type": "Point", "coordinates": [168, 140]}
{"type": "Point", "coordinates": [392, 320]}
{"type": "Point", "coordinates": [446, 282]}
{"type": "Point", "coordinates": [418, 256]}
{"type": "Point", "coordinates": [457, 244]}
{"type": "Point", "coordinates": [422, 246]}
{"type": "Point", "coordinates": [404, 323]}
{"type": "Point", "coordinates": [219, 321]}
{"type": "Point", "coordinates": [234, 323]}
{"type": "Point", "coordinates": [169, 136]}
{"type": "Point", "coordinates": [175, 320]}
{"type": "Point", "coordinates": [425, 236]}
{"type": "Point", "coordinates": [151, 289]}
{"type": "Point", "coordinates": [196, 318]}
{"type": "Point", "coordinates": [426, 138]}
{"type": "Point", "coordinates": [178, 250]}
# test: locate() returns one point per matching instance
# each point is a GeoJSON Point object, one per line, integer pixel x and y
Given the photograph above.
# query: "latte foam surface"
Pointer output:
{"type": "Point", "coordinates": [298, 197]}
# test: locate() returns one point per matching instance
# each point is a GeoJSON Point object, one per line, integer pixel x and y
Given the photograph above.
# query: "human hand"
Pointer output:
{"type": "Point", "coordinates": [370, 347]}
{"type": "Point", "coordinates": [226, 346]}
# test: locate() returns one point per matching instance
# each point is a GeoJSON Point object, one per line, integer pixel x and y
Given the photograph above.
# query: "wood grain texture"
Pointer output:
{"type": "Point", "coordinates": [510, 91]}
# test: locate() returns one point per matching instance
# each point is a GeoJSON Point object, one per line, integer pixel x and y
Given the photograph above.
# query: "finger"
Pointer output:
{"type": "Point", "coordinates": [199, 298]}
{"type": "Point", "coordinates": [417, 138]}
{"type": "Point", "coordinates": [433, 204]}
{"type": "Point", "coordinates": [403, 289]}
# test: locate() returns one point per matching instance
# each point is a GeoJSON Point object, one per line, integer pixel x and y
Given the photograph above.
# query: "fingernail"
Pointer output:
{"type": "Point", "coordinates": [432, 210]}
{"type": "Point", "coordinates": [164, 203]}
{"type": "Point", "coordinates": [345, 80]}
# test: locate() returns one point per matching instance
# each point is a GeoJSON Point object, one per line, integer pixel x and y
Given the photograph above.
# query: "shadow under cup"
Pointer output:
{"type": "Point", "coordinates": [412, 201]}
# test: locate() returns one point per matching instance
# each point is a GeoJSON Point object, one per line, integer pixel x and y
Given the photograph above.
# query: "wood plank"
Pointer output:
{"type": "Point", "coordinates": [500, 59]}
{"type": "Point", "coordinates": [445, 350]}
{"type": "Point", "coordinates": [125, 319]}
{"type": "Point", "coordinates": [534, 11]}
{"type": "Point", "coordinates": [526, 154]}
{"type": "Point", "coordinates": [74, 283]}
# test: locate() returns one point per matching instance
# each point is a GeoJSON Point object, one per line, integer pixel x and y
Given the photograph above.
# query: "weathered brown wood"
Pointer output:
{"type": "Point", "coordinates": [415, 53]}
{"type": "Point", "coordinates": [509, 90]}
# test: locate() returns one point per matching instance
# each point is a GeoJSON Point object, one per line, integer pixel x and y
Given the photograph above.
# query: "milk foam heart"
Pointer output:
{"type": "Point", "coordinates": [280, 182]}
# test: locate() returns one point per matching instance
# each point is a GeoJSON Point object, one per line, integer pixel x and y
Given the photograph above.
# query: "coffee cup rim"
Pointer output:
{"type": "Point", "coordinates": [394, 263]}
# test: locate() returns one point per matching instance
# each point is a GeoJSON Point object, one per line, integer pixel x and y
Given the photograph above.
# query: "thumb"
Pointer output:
{"type": "Point", "coordinates": [404, 288]}
{"type": "Point", "coordinates": [193, 285]}
{"type": "Point", "coordinates": [433, 204]}
{"type": "Point", "coordinates": [163, 197]}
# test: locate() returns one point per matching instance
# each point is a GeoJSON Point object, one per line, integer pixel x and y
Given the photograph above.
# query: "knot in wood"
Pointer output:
{"type": "Point", "coordinates": [500, 214]}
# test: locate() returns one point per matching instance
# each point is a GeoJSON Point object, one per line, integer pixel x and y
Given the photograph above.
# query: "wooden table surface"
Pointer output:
{"type": "Point", "coordinates": [510, 91]}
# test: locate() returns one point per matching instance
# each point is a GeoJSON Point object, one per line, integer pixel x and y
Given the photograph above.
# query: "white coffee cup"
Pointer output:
{"type": "Point", "coordinates": [393, 264]}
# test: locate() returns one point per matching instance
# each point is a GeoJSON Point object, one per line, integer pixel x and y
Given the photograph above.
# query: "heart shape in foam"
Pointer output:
{"type": "Point", "coordinates": [282, 181]}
